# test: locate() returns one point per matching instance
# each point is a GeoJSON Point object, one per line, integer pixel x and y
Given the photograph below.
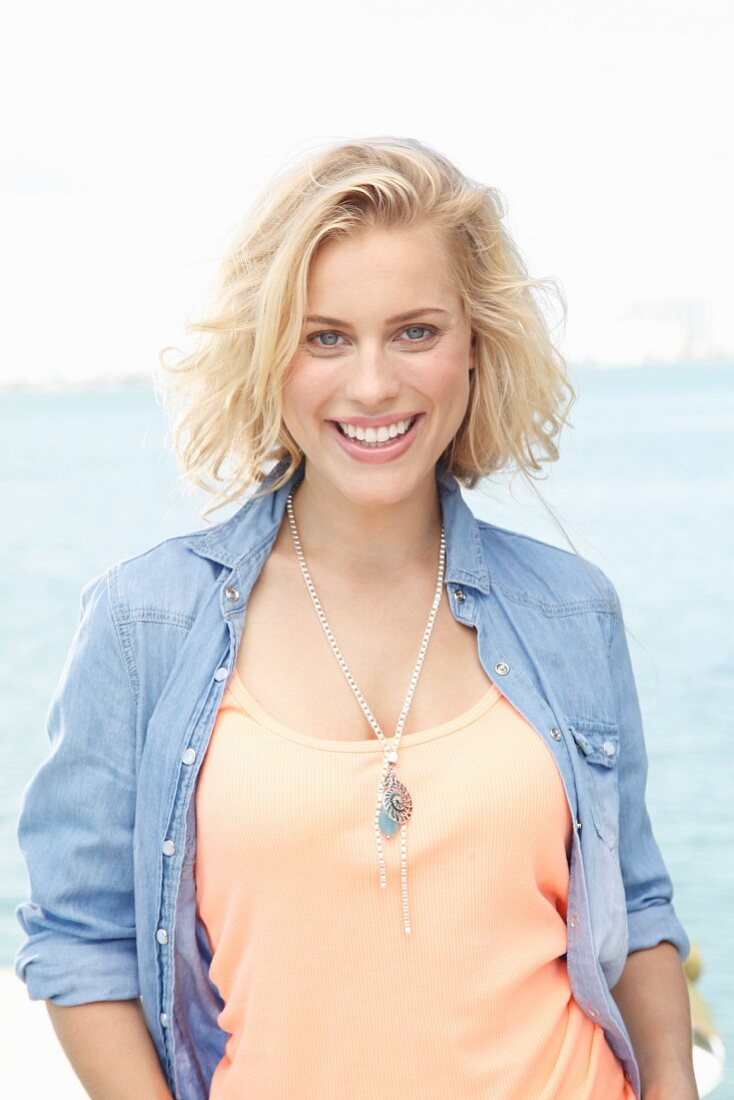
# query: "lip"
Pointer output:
{"type": "Point", "coordinates": [385, 453]}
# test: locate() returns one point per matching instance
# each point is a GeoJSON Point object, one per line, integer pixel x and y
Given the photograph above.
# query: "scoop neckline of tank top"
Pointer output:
{"type": "Point", "coordinates": [237, 688]}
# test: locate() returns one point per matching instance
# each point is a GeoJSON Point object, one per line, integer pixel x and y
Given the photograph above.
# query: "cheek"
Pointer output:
{"type": "Point", "coordinates": [297, 385]}
{"type": "Point", "coordinates": [447, 382]}
{"type": "Point", "coordinates": [304, 388]}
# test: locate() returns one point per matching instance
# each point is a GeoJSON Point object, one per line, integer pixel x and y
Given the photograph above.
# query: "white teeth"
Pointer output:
{"type": "Point", "coordinates": [376, 436]}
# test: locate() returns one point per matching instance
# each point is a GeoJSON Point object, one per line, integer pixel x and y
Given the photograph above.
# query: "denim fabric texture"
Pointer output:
{"type": "Point", "coordinates": [107, 825]}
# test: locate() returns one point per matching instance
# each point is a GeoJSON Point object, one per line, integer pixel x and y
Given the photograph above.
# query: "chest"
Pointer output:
{"type": "Point", "coordinates": [288, 665]}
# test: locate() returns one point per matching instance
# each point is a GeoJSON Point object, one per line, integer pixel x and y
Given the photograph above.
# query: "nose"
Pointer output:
{"type": "Point", "coordinates": [372, 377]}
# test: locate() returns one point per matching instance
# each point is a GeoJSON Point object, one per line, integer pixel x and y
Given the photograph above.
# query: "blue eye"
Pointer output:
{"type": "Point", "coordinates": [317, 334]}
{"type": "Point", "coordinates": [417, 328]}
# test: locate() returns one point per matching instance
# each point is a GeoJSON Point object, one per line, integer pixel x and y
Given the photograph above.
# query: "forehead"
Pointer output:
{"type": "Point", "coordinates": [415, 260]}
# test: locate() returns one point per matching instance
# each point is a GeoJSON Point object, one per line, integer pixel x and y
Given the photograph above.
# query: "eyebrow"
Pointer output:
{"type": "Point", "coordinates": [390, 321]}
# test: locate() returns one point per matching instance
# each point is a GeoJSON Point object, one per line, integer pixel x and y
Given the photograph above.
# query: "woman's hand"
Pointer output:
{"type": "Point", "coordinates": [653, 999]}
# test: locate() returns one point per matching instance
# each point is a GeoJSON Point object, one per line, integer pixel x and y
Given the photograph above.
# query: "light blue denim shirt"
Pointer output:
{"type": "Point", "coordinates": [107, 825]}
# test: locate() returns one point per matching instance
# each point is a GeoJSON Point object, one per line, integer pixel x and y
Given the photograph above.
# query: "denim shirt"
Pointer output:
{"type": "Point", "coordinates": [107, 824]}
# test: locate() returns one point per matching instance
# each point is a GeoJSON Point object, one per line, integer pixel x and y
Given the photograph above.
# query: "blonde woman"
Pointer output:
{"type": "Point", "coordinates": [347, 792]}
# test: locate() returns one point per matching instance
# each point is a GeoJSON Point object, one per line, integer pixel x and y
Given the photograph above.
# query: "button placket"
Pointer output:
{"type": "Point", "coordinates": [170, 846]}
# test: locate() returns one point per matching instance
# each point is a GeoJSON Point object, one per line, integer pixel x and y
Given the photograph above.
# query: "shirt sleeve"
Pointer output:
{"type": "Point", "coordinates": [75, 829]}
{"type": "Point", "coordinates": [650, 913]}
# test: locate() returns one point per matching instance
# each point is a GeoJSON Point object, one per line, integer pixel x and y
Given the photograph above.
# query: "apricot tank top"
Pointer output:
{"type": "Point", "coordinates": [324, 993]}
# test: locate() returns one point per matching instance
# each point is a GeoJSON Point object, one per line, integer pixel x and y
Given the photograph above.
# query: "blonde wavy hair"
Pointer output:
{"type": "Point", "coordinates": [226, 393]}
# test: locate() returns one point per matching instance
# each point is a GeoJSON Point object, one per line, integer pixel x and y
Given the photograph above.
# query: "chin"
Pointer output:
{"type": "Point", "coordinates": [379, 484]}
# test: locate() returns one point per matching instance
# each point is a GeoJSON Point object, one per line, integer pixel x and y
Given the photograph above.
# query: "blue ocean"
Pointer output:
{"type": "Point", "coordinates": [644, 487]}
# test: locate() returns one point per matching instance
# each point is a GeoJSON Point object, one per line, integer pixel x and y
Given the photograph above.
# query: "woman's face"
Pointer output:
{"type": "Point", "coordinates": [385, 340]}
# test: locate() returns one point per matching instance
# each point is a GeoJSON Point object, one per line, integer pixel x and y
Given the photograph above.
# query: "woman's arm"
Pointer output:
{"type": "Point", "coordinates": [651, 992]}
{"type": "Point", "coordinates": [76, 832]}
{"type": "Point", "coordinates": [110, 1049]}
{"type": "Point", "coordinates": [76, 824]}
{"type": "Point", "coordinates": [653, 1000]}
{"type": "Point", "coordinates": [651, 916]}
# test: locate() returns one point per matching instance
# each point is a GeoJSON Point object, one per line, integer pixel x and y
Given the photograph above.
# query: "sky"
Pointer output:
{"type": "Point", "coordinates": [133, 138]}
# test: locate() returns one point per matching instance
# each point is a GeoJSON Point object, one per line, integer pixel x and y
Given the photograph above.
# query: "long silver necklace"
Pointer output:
{"type": "Point", "coordinates": [394, 805]}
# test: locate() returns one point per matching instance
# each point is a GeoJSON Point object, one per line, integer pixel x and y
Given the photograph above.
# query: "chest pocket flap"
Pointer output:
{"type": "Point", "coordinates": [598, 744]}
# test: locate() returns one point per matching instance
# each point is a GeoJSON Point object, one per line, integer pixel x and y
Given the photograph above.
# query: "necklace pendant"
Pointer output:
{"type": "Point", "coordinates": [397, 805]}
{"type": "Point", "coordinates": [388, 827]}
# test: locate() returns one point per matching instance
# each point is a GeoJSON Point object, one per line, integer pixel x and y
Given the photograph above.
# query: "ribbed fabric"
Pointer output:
{"type": "Point", "coordinates": [325, 995]}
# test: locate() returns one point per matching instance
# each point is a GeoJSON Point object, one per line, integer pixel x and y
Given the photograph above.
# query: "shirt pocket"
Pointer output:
{"type": "Point", "coordinates": [598, 745]}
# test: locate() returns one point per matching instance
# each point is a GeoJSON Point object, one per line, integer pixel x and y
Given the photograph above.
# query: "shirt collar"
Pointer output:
{"type": "Point", "coordinates": [232, 541]}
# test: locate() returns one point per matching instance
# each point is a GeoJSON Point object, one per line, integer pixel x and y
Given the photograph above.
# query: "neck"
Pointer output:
{"type": "Point", "coordinates": [369, 540]}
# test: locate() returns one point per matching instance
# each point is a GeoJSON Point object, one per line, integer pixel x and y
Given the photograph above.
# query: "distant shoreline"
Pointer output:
{"type": "Point", "coordinates": [132, 381]}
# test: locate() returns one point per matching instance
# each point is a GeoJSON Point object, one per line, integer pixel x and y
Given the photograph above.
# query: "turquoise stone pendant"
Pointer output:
{"type": "Point", "coordinates": [397, 805]}
{"type": "Point", "coordinates": [388, 827]}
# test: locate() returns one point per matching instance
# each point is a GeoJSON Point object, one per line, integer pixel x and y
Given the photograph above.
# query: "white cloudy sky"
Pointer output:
{"type": "Point", "coordinates": [133, 136]}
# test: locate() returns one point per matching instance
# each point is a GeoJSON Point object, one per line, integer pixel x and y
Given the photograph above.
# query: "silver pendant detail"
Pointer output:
{"type": "Point", "coordinates": [397, 805]}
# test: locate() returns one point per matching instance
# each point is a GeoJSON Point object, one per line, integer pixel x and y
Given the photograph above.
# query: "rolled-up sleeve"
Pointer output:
{"type": "Point", "coordinates": [75, 829]}
{"type": "Point", "coordinates": [649, 891]}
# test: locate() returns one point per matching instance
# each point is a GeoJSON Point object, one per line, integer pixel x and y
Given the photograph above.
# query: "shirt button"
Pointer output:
{"type": "Point", "coordinates": [161, 935]}
{"type": "Point", "coordinates": [609, 748]}
{"type": "Point", "coordinates": [501, 668]}
{"type": "Point", "coordinates": [593, 1012]}
{"type": "Point", "coordinates": [188, 756]}
{"type": "Point", "coordinates": [573, 922]}
{"type": "Point", "coordinates": [555, 734]}
{"type": "Point", "coordinates": [164, 1019]}
{"type": "Point", "coordinates": [221, 673]}
{"type": "Point", "coordinates": [168, 847]}
{"type": "Point", "coordinates": [459, 595]}
{"type": "Point", "coordinates": [231, 594]}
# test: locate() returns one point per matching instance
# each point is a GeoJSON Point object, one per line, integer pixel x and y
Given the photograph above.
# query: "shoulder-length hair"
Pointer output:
{"type": "Point", "coordinates": [228, 389]}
